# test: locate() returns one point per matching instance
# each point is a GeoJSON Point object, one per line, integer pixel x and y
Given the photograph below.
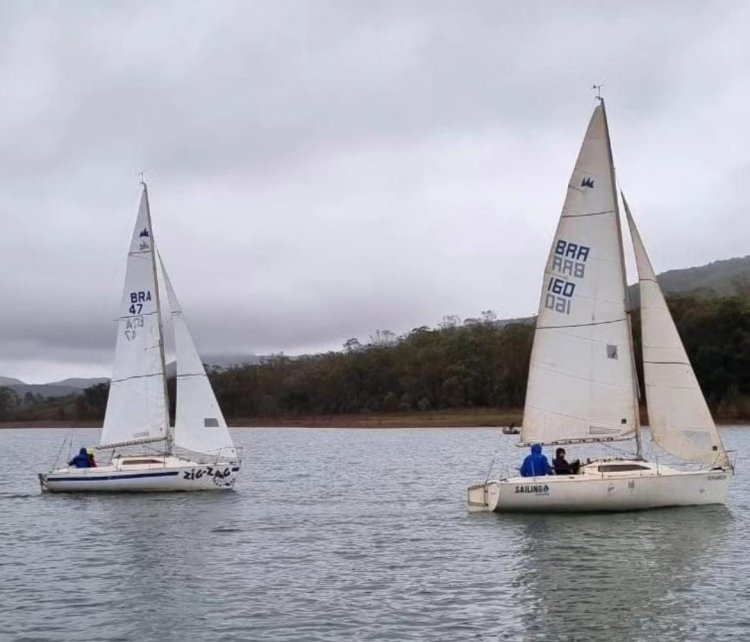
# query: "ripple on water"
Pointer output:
{"type": "Point", "coordinates": [357, 535]}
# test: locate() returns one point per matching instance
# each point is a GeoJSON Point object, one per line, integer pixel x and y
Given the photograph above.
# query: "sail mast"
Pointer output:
{"type": "Point", "coordinates": [636, 392]}
{"type": "Point", "coordinates": [169, 437]}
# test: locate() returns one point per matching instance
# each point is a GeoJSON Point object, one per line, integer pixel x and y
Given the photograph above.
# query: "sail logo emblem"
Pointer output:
{"type": "Point", "coordinates": [144, 243]}
{"type": "Point", "coordinates": [587, 182]}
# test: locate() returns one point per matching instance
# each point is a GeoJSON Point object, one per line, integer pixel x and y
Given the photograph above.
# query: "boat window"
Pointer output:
{"type": "Point", "coordinates": [620, 468]}
{"type": "Point", "coordinates": [141, 461]}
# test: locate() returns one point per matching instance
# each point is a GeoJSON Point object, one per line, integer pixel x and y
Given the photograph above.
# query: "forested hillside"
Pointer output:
{"type": "Point", "coordinates": [480, 364]}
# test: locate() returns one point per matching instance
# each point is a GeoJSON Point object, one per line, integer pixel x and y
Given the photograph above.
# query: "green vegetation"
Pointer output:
{"type": "Point", "coordinates": [475, 366]}
{"type": "Point", "coordinates": [471, 372]}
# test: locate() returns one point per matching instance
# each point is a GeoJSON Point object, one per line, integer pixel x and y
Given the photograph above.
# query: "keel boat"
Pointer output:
{"type": "Point", "coordinates": [146, 452]}
{"type": "Point", "coordinates": [582, 385]}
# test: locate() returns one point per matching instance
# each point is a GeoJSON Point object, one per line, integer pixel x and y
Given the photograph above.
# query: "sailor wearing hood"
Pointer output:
{"type": "Point", "coordinates": [81, 460]}
{"type": "Point", "coordinates": [536, 464]}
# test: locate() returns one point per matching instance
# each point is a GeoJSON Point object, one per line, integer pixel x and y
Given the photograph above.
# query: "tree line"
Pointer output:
{"type": "Point", "coordinates": [479, 363]}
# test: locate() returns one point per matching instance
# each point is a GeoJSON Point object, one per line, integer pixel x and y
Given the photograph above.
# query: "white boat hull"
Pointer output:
{"type": "Point", "coordinates": [167, 474]}
{"type": "Point", "coordinates": [653, 487]}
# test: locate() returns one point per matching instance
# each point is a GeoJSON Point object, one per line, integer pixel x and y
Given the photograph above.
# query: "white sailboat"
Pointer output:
{"type": "Point", "coordinates": [582, 385]}
{"type": "Point", "coordinates": [146, 452]}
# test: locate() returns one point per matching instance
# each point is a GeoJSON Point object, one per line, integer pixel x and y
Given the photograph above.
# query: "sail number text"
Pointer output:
{"type": "Point", "coordinates": [132, 324]}
{"type": "Point", "coordinates": [137, 299]}
{"type": "Point", "coordinates": [569, 262]}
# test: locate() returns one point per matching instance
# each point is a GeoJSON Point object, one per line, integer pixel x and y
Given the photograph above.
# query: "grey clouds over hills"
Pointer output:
{"type": "Point", "coordinates": [53, 389]}
{"type": "Point", "coordinates": [728, 277]}
{"type": "Point", "coordinates": [322, 170]}
{"type": "Point", "coordinates": [719, 278]}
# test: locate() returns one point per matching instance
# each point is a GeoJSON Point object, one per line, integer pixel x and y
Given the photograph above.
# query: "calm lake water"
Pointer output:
{"type": "Point", "coordinates": [338, 534]}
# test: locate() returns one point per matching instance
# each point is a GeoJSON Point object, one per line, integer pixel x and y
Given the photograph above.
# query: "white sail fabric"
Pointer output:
{"type": "Point", "coordinates": [679, 417]}
{"type": "Point", "coordinates": [581, 384]}
{"type": "Point", "coordinates": [137, 405]}
{"type": "Point", "coordinates": [199, 423]}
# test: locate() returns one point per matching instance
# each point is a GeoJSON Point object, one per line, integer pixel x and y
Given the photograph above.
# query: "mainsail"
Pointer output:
{"type": "Point", "coordinates": [679, 417]}
{"type": "Point", "coordinates": [581, 383]}
{"type": "Point", "coordinates": [137, 404]}
{"type": "Point", "coordinates": [199, 423]}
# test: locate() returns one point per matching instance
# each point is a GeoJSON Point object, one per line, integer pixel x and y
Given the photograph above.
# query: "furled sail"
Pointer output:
{"type": "Point", "coordinates": [199, 423]}
{"type": "Point", "coordinates": [679, 417]}
{"type": "Point", "coordinates": [581, 384]}
{"type": "Point", "coordinates": [137, 405]}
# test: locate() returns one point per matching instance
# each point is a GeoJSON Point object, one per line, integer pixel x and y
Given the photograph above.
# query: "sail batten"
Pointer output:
{"type": "Point", "coordinates": [580, 385]}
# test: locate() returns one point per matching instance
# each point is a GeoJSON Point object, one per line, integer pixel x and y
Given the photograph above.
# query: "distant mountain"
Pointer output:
{"type": "Point", "coordinates": [77, 382]}
{"type": "Point", "coordinates": [62, 388]}
{"type": "Point", "coordinates": [720, 278]}
{"type": "Point", "coordinates": [220, 360]}
{"type": "Point", "coordinates": [226, 360]}
{"type": "Point", "coordinates": [730, 277]}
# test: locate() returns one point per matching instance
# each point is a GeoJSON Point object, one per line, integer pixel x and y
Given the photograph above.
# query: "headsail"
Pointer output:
{"type": "Point", "coordinates": [581, 383]}
{"type": "Point", "coordinates": [679, 417]}
{"type": "Point", "coordinates": [137, 404]}
{"type": "Point", "coordinates": [199, 423]}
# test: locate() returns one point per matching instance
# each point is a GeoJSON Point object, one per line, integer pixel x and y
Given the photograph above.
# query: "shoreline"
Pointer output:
{"type": "Point", "coordinates": [476, 418]}
{"type": "Point", "coordinates": [471, 418]}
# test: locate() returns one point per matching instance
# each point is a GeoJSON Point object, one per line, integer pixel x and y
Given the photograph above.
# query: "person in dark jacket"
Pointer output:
{"type": "Point", "coordinates": [562, 467]}
{"type": "Point", "coordinates": [536, 464]}
{"type": "Point", "coordinates": [81, 460]}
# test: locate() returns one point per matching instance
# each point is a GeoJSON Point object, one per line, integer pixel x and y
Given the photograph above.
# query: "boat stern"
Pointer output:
{"type": "Point", "coordinates": [476, 498]}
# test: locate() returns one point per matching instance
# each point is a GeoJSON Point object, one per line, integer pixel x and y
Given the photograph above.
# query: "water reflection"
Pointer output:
{"type": "Point", "coordinates": [627, 576]}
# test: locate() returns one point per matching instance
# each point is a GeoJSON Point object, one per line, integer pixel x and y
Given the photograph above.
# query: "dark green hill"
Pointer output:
{"type": "Point", "coordinates": [730, 277]}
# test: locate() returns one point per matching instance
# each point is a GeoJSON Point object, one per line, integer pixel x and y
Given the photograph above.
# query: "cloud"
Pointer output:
{"type": "Point", "coordinates": [322, 170]}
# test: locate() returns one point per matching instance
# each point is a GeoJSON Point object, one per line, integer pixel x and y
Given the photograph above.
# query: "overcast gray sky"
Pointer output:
{"type": "Point", "coordinates": [320, 170]}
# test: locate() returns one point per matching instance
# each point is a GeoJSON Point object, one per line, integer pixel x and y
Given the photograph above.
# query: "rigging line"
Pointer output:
{"type": "Point", "coordinates": [578, 325]}
{"type": "Point", "coordinates": [585, 215]}
{"type": "Point", "coordinates": [145, 376]}
{"type": "Point", "coordinates": [135, 316]}
{"type": "Point", "coordinates": [675, 387]}
{"type": "Point", "coordinates": [561, 414]}
{"type": "Point", "coordinates": [577, 378]}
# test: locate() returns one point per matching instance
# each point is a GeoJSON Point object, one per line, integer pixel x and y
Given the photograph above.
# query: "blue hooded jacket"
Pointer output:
{"type": "Point", "coordinates": [536, 464]}
{"type": "Point", "coordinates": [81, 460]}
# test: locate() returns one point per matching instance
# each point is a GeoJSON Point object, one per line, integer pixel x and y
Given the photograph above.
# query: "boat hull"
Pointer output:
{"type": "Point", "coordinates": [654, 488]}
{"type": "Point", "coordinates": [168, 476]}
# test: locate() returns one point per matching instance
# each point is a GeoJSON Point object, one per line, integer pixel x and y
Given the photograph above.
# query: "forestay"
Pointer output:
{"type": "Point", "coordinates": [199, 423]}
{"type": "Point", "coordinates": [137, 406]}
{"type": "Point", "coordinates": [581, 385]}
{"type": "Point", "coordinates": [679, 417]}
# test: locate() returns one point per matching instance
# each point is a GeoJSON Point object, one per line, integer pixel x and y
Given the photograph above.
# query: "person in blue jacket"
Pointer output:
{"type": "Point", "coordinates": [81, 460]}
{"type": "Point", "coordinates": [536, 464]}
